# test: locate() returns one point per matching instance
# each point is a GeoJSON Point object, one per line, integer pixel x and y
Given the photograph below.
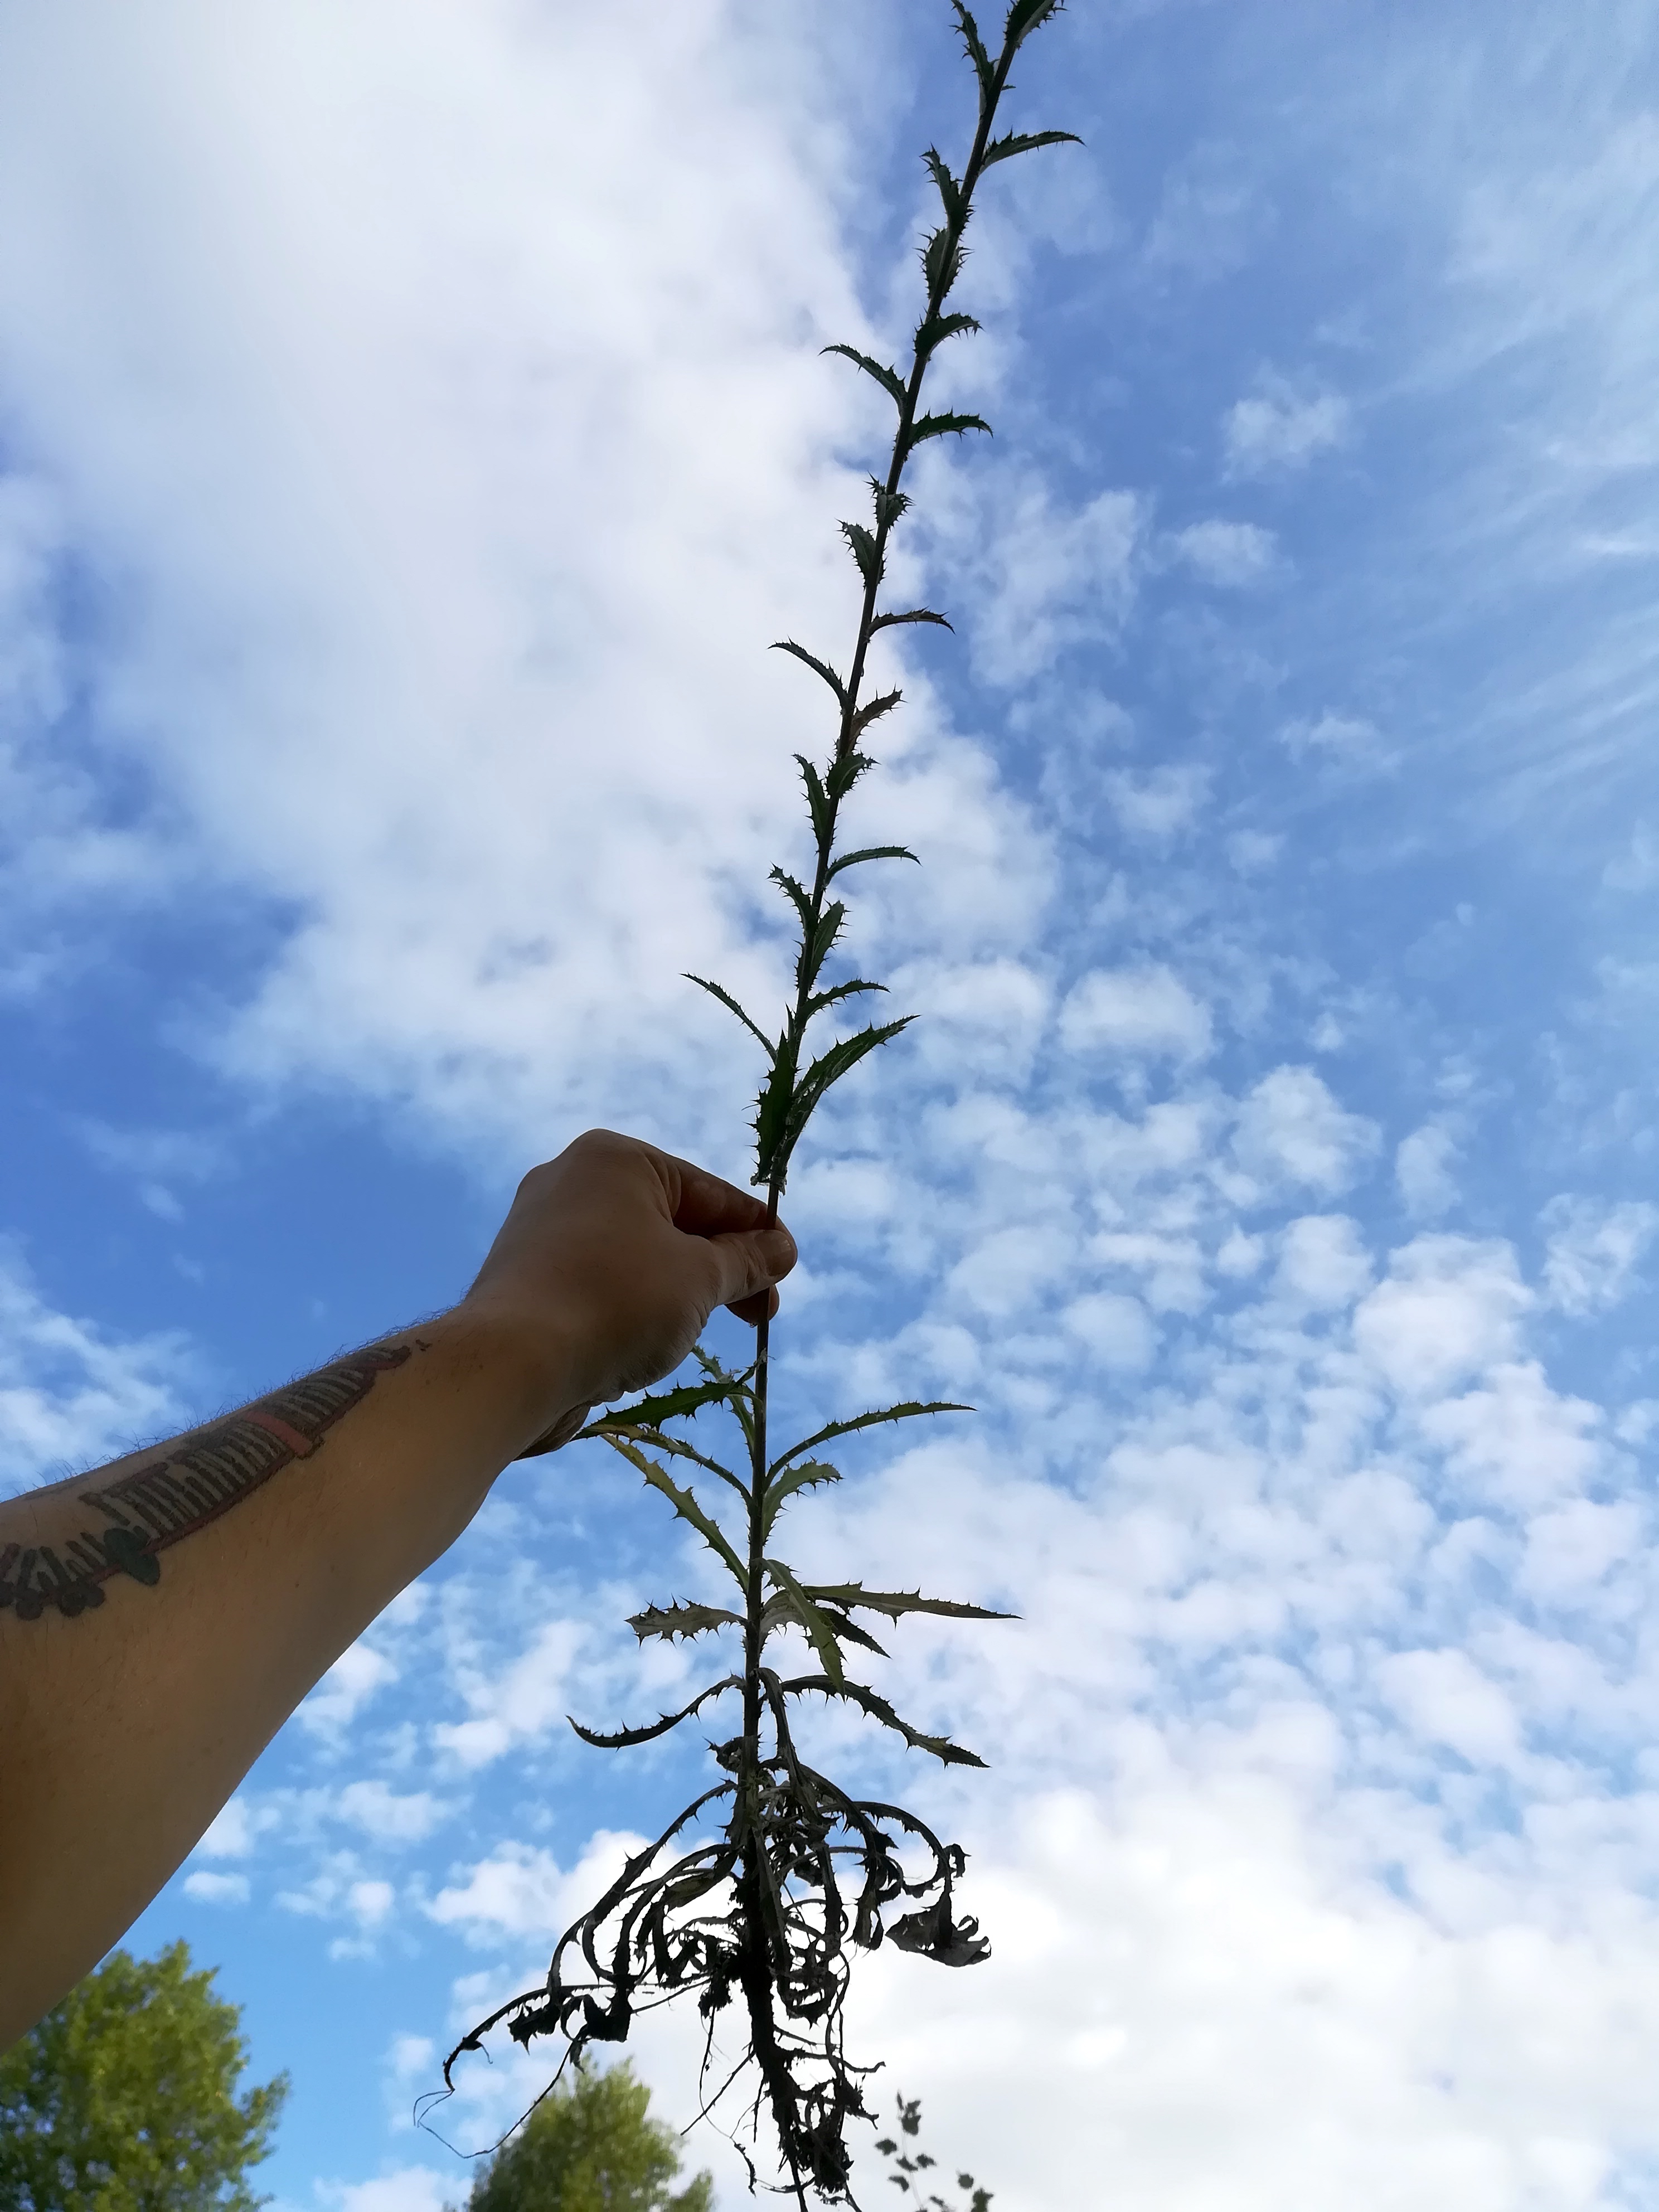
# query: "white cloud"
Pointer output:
{"type": "Point", "coordinates": [357, 1675]}
{"type": "Point", "coordinates": [1176, 1965]}
{"type": "Point", "coordinates": [1446, 1699]}
{"type": "Point", "coordinates": [71, 1395]}
{"type": "Point", "coordinates": [1269, 1946]}
{"type": "Point", "coordinates": [988, 1016]}
{"type": "Point", "coordinates": [1594, 1250]}
{"type": "Point", "coordinates": [520, 1890]}
{"type": "Point", "coordinates": [1048, 578]}
{"type": "Point", "coordinates": [1000, 1274]}
{"type": "Point", "coordinates": [310, 282]}
{"type": "Point", "coordinates": [1323, 1262]}
{"type": "Point", "coordinates": [410, 2189]}
{"type": "Point", "coordinates": [517, 1706]}
{"type": "Point", "coordinates": [370, 1901]}
{"type": "Point", "coordinates": [1210, 216]}
{"type": "Point", "coordinates": [1570, 1550]}
{"type": "Point", "coordinates": [1422, 1169]}
{"type": "Point", "coordinates": [235, 1830]}
{"type": "Point", "coordinates": [388, 1816]}
{"type": "Point", "coordinates": [1515, 1439]}
{"type": "Point", "coordinates": [1343, 740]}
{"type": "Point", "coordinates": [1233, 555]}
{"type": "Point", "coordinates": [1117, 1330]}
{"type": "Point", "coordinates": [1280, 427]}
{"type": "Point", "coordinates": [208, 1888]}
{"type": "Point", "coordinates": [1138, 1012]}
{"type": "Point", "coordinates": [1155, 805]}
{"type": "Point", "coordinates": [1448, 1306]}
{"type": "Point", "coordinates": [1290, 1131]}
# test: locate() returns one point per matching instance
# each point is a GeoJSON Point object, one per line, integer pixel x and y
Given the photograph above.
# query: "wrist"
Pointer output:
{"type": "Point", "coordinates": [530, 1363]}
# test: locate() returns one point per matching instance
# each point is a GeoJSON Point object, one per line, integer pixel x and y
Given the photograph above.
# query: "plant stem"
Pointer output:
{"type": "Point", "coordinates": [752, 1882]}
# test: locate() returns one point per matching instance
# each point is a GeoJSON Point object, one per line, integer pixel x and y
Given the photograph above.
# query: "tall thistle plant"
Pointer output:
{"type": "Point", "coordinates": [755, 1895]}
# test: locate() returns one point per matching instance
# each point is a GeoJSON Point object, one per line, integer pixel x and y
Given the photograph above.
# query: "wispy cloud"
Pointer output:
{"type": "Point", "coordinates": [1281, 426]}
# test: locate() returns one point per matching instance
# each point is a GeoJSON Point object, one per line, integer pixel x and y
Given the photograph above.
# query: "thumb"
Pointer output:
{"type": "Point", "coordinates": [748, 1260]}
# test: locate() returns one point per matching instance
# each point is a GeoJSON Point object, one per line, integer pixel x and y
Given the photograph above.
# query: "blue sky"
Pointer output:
{"type": "Point", "coordinates": [412, 430]}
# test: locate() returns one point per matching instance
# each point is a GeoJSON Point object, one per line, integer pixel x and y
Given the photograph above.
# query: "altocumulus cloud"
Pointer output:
{"type": "Point", "coordinates": [1319, 1841]}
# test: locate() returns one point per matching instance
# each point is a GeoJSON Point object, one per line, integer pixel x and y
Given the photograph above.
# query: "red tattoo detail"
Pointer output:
{"type": "Point", "coordinates": [301, 1446]}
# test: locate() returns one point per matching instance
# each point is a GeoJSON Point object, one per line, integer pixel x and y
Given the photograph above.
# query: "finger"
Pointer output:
{"type": "Point", "coordinates": [748, 1262]}
{"type": "Point", "coordinates": [755, 1310]}
{"type": "Point", "coordinates": [708, 1206]}
{"type": "Point", "coordinates": [562, 1430]}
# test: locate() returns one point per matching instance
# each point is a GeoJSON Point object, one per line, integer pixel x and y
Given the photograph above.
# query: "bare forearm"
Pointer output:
{"type": "Point", "coordinates": [159, 1618]}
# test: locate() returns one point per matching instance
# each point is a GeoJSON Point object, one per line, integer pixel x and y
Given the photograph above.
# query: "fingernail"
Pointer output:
{"type": "Point", "coordinates": [779, 1248]}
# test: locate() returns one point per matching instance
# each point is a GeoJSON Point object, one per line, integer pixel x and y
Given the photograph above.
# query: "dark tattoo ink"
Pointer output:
{"type": "Point", "coordinates": [171, 1499]}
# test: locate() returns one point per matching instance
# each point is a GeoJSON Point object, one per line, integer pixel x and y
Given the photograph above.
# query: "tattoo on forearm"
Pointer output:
{"type": "Point", "coordinates": [170, 1497]}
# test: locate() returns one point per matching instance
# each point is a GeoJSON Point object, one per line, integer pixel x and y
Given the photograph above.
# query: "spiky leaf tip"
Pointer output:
{"type": "Point", "coordinates": [865, 552]}
{"type": "Point", "coordinates": [718, 991]}
{"type": "Point", "coordinates": [819, 667]}
{"type": "Point", "coordinates": [943, 426]}
{"type": "Point", "coordinates": [1017, 141]}
{"type": "Point", "coordinates": [1026, 16]}
{"type": "Point", "coordinates": [974, 47]}
{"type": "Point", "coordinates": [888, 379]}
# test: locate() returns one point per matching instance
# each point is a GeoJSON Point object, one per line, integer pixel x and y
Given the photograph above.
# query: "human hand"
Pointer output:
{"type": "Point", "coordinates": [617, 1253]}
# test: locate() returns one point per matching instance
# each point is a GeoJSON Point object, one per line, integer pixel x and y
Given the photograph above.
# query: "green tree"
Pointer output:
{"type": "Point", "coordinates": [590, 2147]}
{"type": "Point", "coordinates": [123, 2098]}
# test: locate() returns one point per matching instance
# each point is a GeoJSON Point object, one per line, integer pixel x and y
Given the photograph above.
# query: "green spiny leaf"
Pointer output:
{"type": "Point", "coordinates": [816, 946]}
{"type": "Point", "coordinates": [872, 853]}
{"type": "Point", "coordinates": [873, 711]}
{"type": "Point", "coordinates": [797, 895]}
{"type": "Point", "coordinates": [676, 1446]}
{"type": "Point", "coordinates": [827, 1069]}
{"type": "Point", "coordinates": [1026, 16]}
{"type": "Point", "coordinates": [909, 1409]}
{"type": "Point", "coordinates": [849, 1632]}
{"type": "Point", "coordinates": [941, 426]}
{"type": "Point", "coordinates": [948, 1754]}
{"type": "Point", "coordinates": [932, 333]}
{"type": "Point", "coordinates": [772, 1117]}
{"type": "Point", "coordinates": [718, 991]}
{"type": "Point", "coordinates": [678, 1404]}
{"type": "Point", "coordinates": [840, 1060]}
{"type": "Point", "coordinates": [864, 550]}
{"type": "Point", "coordinates": [684, 1503]}
{"type": "Point", "coordinates": [973, 45]}
{"type": "Point", "coordinates": [1004, 149]}
{"type": "Point", "coordinates": [820, 1632]}
{"type": "Point", "coordinates": [845, 770]}
{"type": "Point", "coordinates": [819, 667]}
{"type": "Point", "coordinates": [896, 1603]}
{"type": "Point", "coordinates": [912, 615]}
{"type": "Point", "coordinates": [805, 1474]}
{"type": "Point", "coordinates": [780, 1611]}
{"type": "Point", "coordinates": [740, 1404]}
{"type": "Point", "coordinates": [621, 1739]}
{"type": "Point", "coordinates": [820, 999]}
{"type": "Point", "coordinates": [888, 379]}
{"type": "Point", "coordinates": [818, 800]}
{"type": "Point", "coordinates": [888, 505]}
{"type": "Point", "coordinates": [950, 188]}
{"type": "Point", "coordinates": [941, 260]}
{"type": "Point", "coordinates": [684, 1618]}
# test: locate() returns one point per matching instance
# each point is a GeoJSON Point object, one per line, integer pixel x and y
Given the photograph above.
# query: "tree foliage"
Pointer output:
{"type": "Point", "coordinates": [123, 2098]}
{"type": "Point", "coordinates": [590, 2146]}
